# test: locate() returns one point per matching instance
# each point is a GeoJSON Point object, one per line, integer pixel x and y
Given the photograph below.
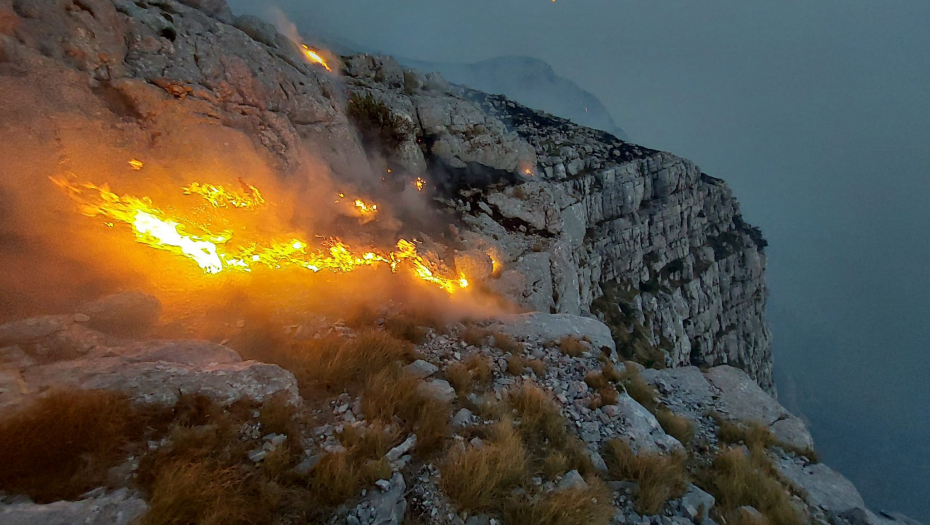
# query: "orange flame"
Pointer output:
{"type": "Point", "coordinates": [220, 197]}
{"type": "Point", "coordinates": [215, 253]}
{"type": "Point", "coordinates": [419, 183]}
{"type": "Point", "coordinates": [315, 57]}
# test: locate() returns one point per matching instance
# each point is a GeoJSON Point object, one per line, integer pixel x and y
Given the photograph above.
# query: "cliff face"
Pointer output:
{"type": "Point", "coordinates": [590, 224]}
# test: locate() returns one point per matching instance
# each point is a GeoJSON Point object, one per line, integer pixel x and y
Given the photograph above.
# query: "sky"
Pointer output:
{"type": "Point", "coordinates": [817, 113]}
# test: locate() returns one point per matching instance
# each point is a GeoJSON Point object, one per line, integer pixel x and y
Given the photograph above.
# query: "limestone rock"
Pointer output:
{"type": "Point", "coordinates": [553, 327]}
{"type": "Point", "coordinates": [117, 508]}
{"type": "Point", "coordinates": [438, 389]}
{"type": "Point", "coordinates": [123, 313]}
{"type": "Point", "coordinates": [741, 399]}
{"type": "Point", "coordinates": [420, 369]}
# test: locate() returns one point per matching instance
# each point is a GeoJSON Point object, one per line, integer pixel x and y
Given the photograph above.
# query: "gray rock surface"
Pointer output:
{"type": "Point", "coordinates": [125, 313]}
{"type": "Point", "coordinates": [741, 399]}
{"type": "Point", "coordinates": [121, 507]}
{"type": "Point", "coordinates": [553, 327]}
{"type": "Point", "coordinates": [438, 389]}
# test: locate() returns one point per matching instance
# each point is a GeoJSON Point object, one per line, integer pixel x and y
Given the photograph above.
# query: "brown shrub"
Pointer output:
{"type": "Point", "coordinates": [755, 436]}
{"type": "Point", "coordinates": [736, 480]}
{"type": "Point", "coordinates": [611, 373]}
{"type": "Point", "coordinates": [506, 343]}
{"type": "Point", "coordinates": [596, 380]}
{"type": "Point", "coordinates": [407, 327]}
{"type": "Point", "coordinates": [475, 336]}
{"type": "Point", "coordinates": [608, 395]}
{"type": "Point", "coordinates": [459, 377]}
{"type": "Point", "coordinates": [572, 346]}
{"type": "Point", "coordinates": [61, 446]}
{"type": "Point", "coordinates": [660, 477]}
{"type": "Point", "coordinates": [679, 427]}
{"type": "Point", "coordinates": [515, 365]}
{"type": "Point", "coordinates": [479, 367]}
{"type": "Point", "coordinates": [537, 366]}
{"type": "Point", "coordinates": [480, 479]}
{"type": "Point", "coordinates": [277, 416]}
{"type": "Point", "coordinates": [195, 492]}
{"type": "Point", "coordinates": [591, 506]}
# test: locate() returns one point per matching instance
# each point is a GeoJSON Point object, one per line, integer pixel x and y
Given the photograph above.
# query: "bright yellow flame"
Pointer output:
{"type": "Point", "coordinates": [220, 197]}
{"type": "Point", "coordinates": [135, 164]}
{"type": "Point", "coordinates": [419, 183]}
{"type": "Point", "coordinates": [315, 57]}
{"type": "Point", "coordinates": [214, 253]}
{"type": "Point", "coordinates": [365, 208]}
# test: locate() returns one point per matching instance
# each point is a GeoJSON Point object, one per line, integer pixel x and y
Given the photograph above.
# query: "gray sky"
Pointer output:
{"type": "Point", "coordinates": [817, 112]}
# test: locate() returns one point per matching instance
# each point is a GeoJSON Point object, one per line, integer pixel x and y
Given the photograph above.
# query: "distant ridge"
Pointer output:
{"type": "Point", "coordinates": [531, 82]}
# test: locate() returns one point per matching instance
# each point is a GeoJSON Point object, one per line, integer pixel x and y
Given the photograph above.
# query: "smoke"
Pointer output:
{"type": "Point", "coordinates": [57, 125]}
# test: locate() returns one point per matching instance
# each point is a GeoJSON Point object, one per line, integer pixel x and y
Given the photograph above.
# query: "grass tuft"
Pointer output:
{"type": "Point", "coordinates": [679, 427]}
{"type": "Point", "coordinates": [736, 479]}
{"type": "Point", "coordinates": [480, 479]}
{"type": "Point", "coordinates": [660, 477]}
{"type": "Point", "coordinates": [572, 346]}
{"type": "Point", "coordinates": [590, 506]}
{"type": "Point", "coordinates": [61, 445]}
{"type": "Point", "coordinates": [506, 343]}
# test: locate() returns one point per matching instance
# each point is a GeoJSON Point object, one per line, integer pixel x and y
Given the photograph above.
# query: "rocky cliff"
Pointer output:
{"type": "Point", "coordinates": [620, 254]}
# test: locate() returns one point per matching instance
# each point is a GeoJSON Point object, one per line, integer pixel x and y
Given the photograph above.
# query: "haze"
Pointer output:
{"type": "Point", "coordinates": [817, 114]}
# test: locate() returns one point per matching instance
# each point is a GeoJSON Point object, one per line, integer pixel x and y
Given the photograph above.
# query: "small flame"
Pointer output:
{"type": "Point", "coordinates": [135, 164]}
{"type": "Point", "coordinates": [315, 57]}
{"type": "Point", "coordinates": [220, 197]}
{"type": "Point", "coordinates": [419, 183]}
{"type": "Point", "coordinates": [366, 208]}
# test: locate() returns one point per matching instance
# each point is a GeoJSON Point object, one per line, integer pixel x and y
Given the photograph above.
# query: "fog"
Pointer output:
{"type": "Point", "coordinates": [817, 114]}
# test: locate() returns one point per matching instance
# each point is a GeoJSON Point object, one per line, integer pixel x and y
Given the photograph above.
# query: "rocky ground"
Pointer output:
{"type": "Point", "coordinates": [559, 355]}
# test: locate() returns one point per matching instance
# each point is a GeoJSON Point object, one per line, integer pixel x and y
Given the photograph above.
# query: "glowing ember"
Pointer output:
{"type": "Point", "coordinates": [220, 197]}
{"type": "Point", "coordinates": [315, 57]}
{"type": "Point", "coordinates": [135, 164]}
{"type": "Point", "coordinates": [419, 183]}
{"type": "Point", "coordinates": [215, 253]}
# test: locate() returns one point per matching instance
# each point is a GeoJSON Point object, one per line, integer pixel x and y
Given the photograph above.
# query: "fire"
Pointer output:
{"type": "Point", "coordinates": [220, 197]}
{"type": "Point", "coordinates": [365, 208]}
{"type": "Point", "coordinates": [419, 183]}
{"type": "Point", "coordinates": [215, 252]}
{"type": "Point", "coordinates": [315, 57]}
{"type": "Point", "coordinates": [135, 164]}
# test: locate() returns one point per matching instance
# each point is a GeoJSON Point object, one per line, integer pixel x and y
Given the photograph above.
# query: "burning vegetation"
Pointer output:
{"type": "Point", "coordinates": [218, 251]}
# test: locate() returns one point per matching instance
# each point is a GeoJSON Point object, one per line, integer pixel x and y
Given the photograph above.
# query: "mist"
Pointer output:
{"type": "Point", "coordinates": [816, 113]}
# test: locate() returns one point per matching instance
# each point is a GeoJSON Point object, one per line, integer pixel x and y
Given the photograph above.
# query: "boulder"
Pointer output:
{"type": "Point", "coordinates": [641, 430]}
{"type": "Point", "coordinates": [438, 389]}
{"type": "Point", "coordinates": [741, 399]}
{"type": "Point", "coordinates": [126, 313]}
{"type": "Point", "coordinates": [420, 369]}
{"type": "Point", "coordinates": [158, 372]}
{"type": "Point", "coordinates": [820, 485]}
{"type": "Point", "coordinates": [116, 508]}
{"type": "Point", "coordinates": [543, 328]}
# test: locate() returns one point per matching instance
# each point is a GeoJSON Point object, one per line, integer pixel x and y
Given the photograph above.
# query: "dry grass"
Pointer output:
{"type": "Point", "coordinates": [756, 436]}
{"type": "Point", "coordinates": [475, 336]}
{"type": "Point", "coordinates": [641, 391]}
{"type": "Point", "coordinates": [572, 346]}
{"type": "Point", "coordinates": [591, 506]}
{"type": "Point", "coordinates": [611, 373]}
{"type": "Point", "coordinates": [479, 367]}
{"type": "Point", "coordinates": [596, 380]}
{"type": "Point", "coordinates": [608, 396]}
{"type": "Point", "coordinates": [537, 366]}
{"type": "Point", "coordinates": [541, 424]}
{"type": "Point", "coordinates": [62, 445]}
{"type": "Point", "coordinates": [480, 479]}
{"type": "Point", "coordinates": [515, 365]}
{"type": "Point", "coordinates": [506, 343]}
{"type": "Point", "coordinates": [737, 479]}
{"type": "Point", "coordinates": [390, 394]}
{"type": "Point", "coordinates": [334, 364]}
{"type": "Point", "coordinates": [459, 377]}
{"type": "Point", "coordinates": [407, 327]}
{"type": "Point", "coordinates": [660, 477]}
{"type": "Point", "coordinates": [278, 416]}
{"type": "Point", "coordinates": [679, 427]}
